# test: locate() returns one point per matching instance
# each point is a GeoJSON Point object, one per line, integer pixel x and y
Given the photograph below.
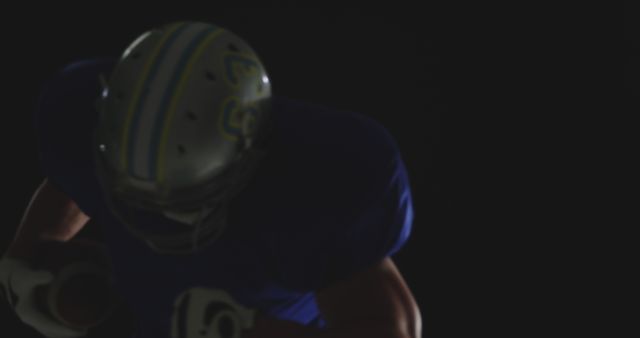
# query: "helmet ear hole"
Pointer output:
{"type": "Point", "coordinates": [210, 76]}
{"type": "Point", "coordinates": [191, 116]}
{"type": "Point", "coordinates": [181, 149]}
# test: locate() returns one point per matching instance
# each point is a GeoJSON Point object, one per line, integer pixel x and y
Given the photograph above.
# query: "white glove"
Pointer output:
{"type": "Point", "coordinates": [19, 282]}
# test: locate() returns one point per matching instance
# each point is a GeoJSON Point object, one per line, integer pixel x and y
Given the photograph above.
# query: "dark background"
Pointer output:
{"type": "Point", "coordinates": [463, 90]}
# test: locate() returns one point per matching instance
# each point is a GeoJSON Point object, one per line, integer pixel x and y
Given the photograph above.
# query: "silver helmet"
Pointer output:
{"type": "Point", "coordinates": [181, 118]}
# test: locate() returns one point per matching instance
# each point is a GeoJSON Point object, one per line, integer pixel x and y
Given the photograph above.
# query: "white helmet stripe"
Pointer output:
{"type": "Point", "coordinates": [132, 116]}
{"type": "Point", "coordinates": [159, 82]}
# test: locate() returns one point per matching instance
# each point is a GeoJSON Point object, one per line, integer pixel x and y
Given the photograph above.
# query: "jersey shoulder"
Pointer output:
{"type": "Point", "coordinates": [352, 203]}
{"type": "Point", "coordinates": [63, 119]}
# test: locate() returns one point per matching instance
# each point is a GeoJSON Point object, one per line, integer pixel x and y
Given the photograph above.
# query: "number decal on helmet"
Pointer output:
{"type": "Point", "coordinates": [236, 122]}
{"type": "Point", "coordinates": [239, 65]}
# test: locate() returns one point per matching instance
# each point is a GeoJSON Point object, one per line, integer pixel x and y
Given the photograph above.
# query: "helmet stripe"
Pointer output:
{"type": "Point", "coordinates": [185, 75]}
{"type": "Point", "coordinates": [132, 119]}
{"type": "Point", "coordinates": [166, 98]}
{"type": "Point", "coordinates": [153, 105]}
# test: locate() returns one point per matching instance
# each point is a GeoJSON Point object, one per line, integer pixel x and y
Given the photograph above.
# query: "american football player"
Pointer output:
{"type": "Point", "coordinates": [226, 210]}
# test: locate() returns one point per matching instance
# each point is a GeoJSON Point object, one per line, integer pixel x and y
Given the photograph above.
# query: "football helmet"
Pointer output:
{"type": "Point", "coordinates": [183, 116]}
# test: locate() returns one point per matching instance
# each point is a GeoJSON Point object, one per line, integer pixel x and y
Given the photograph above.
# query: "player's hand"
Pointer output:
{"type": "Point", "coordinates": [211, 313]}
{"type": "Point", "coordinates": [21, 284]}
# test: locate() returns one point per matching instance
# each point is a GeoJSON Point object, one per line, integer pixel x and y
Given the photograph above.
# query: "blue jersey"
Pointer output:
{"type": "Point", "coordinates": [331, 198]}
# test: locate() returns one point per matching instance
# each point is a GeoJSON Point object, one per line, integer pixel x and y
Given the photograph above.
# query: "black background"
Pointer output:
{"type": "Point", "coordinates": [471, 96]}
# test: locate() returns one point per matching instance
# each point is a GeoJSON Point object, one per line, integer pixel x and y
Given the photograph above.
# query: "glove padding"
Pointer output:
{"type": "Point", "coordinates": [20, 284]}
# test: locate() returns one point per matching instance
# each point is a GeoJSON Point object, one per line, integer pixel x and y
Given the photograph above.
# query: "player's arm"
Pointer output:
{"type": "Point", "coordinates": [377, 297]}
{"type": "Point", "coordinates": [375, 303]}
{"type": "Point", "coordinates": [51, 215]}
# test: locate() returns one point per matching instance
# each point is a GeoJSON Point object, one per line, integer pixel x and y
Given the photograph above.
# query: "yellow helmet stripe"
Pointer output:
{"type": "Point", "coordinates": [135, 102]}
